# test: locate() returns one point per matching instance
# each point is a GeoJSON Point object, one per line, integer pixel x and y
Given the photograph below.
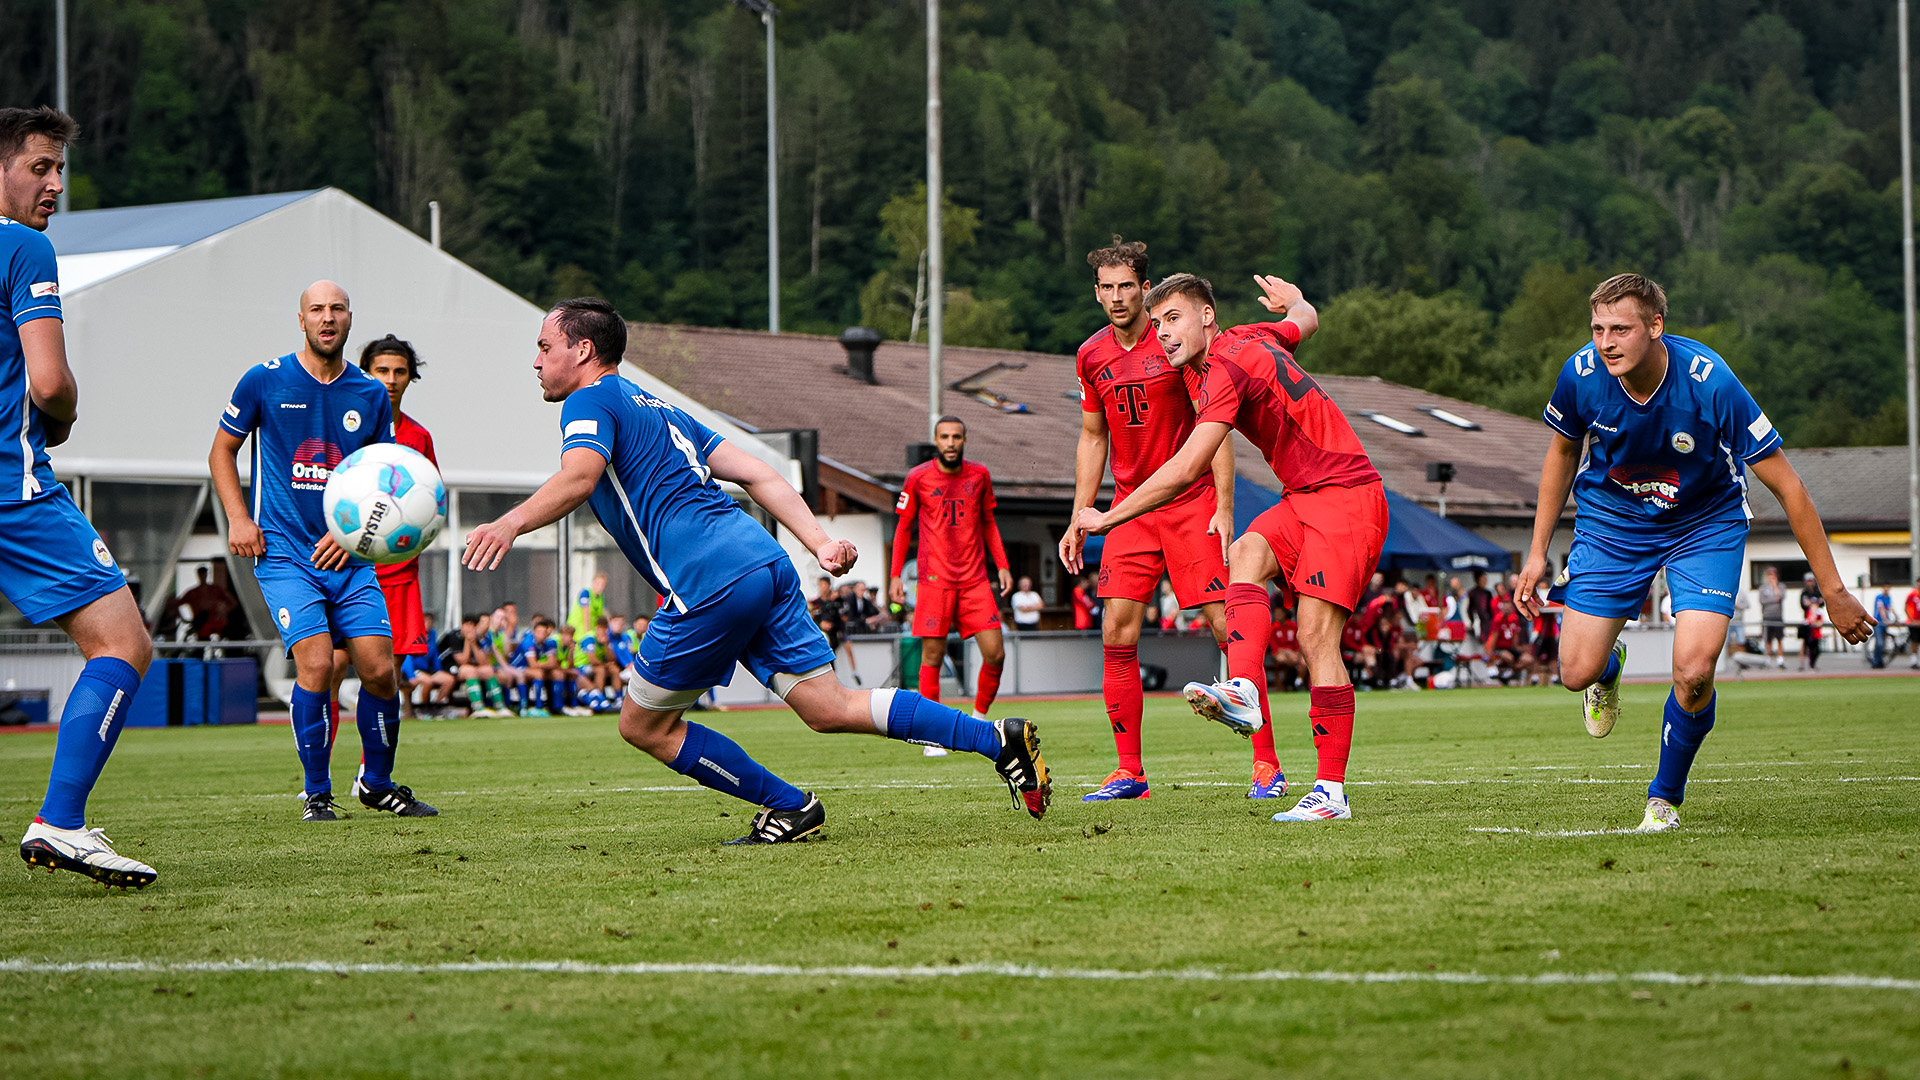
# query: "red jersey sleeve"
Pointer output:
{"type": "Point", "coordinates": [906, 509]}
{"type": "Point", "coordinates": [1089, 400]}
{"type": "Point", "coordinates": [427, 439]}
{"type": "Point", "coordinates": [1215, 393]}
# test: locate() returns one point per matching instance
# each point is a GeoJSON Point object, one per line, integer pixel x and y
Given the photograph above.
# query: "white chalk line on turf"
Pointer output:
{"type": "Point", "coordinates": [928, 971]}
{"type": "Point", "coordinates": [912, 785]}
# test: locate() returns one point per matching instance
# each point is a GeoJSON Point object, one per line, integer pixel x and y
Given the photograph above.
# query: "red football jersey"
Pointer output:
{"type": "Point", "coordinates": [1286, 635]}
{"type": "Point", "coordinates": [1149, 414]}
{"type": "Point", "coordinates": [954, 512]}
{"type": "Point", "coordinates": [408, 433]}
{"type": "Point", "coordinates": [1251, 382]}
{"type": "Point", "coordinates": [1508, 632]}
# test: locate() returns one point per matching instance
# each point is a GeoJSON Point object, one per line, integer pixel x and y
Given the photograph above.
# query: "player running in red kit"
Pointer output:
{"type": "Point", "coordinates": [1322, 541]}
{"type": "Point", "coordinates": [948, 503]}
{"type": "Point", "coordinates": [1134, 409]}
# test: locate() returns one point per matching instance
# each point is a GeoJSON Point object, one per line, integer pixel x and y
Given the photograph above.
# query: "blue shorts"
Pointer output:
{"type": "Point", "coordinates": [1608, 576]}
{"type": "Point", "coordinates": [52, 562]}
{"type": "Point", "coordinates": [304, 601]}
{"type": "Point", "coordinates": [760, 620]}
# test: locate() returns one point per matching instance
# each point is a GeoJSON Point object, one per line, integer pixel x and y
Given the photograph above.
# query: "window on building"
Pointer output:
{"type": "Point", "coordinates": [1893, 571]}
{"type": "Point", "coordinates": [1792, 571]}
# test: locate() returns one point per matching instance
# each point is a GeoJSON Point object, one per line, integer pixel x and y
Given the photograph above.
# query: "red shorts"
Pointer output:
{"type": "Point", "coordinates": [1328, 541]}
{"type": "Point", "coordinates": [1173, 541]}
{"type": "Point", "coordinates": [407, 616]}
{"type": "Point", "coordinates": [972, 608]}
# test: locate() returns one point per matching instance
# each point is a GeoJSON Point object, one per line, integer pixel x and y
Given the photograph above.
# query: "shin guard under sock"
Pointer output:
{"type": "Point", "coordinates": [1331, 715]}
{"type": "Point", "coordinates": [717, 762]}
{"type": "Point", "coordinates": [1120, 686]}
{"type": "Point", "coordinates": [1681, 733]}
{"type": "Point", "coordinates": [89, 726]}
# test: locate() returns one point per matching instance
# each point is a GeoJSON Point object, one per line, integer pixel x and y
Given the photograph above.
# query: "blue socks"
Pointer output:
{"type": "Point", "coordinates": [89, 726]}
{"type": "Point", "coordinates": [912, 718]}
{"type": "Point", "coordinates": [313, 737]}
{"type": "Point", "coordinates": [1612, 671]}
{"type": "Point", "coordinates": [379, 722]}
{"type": "Point", "coordinates": [1681, 734]}
{"type": "Point", "coordinates": [718, 762]}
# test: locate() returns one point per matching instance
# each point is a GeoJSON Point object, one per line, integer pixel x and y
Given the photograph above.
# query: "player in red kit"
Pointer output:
{"type": "Point", "coordinates": [948, 503]}
{"type": "Point", "coordinates": [1323, 539]}
{"type": "Point", "coordinates": [397, 366]}
{"type": "Point", "coordinates": [1134, 409]}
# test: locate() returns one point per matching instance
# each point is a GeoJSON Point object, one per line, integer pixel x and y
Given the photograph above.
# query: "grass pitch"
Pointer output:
{"type": "Point", "coordinates": [1477, 918]}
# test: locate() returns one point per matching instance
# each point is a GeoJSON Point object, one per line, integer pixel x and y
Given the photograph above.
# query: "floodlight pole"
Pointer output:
{"type": "Point", "coordinates": [1906, 253]}
{"type": "Point", "coordinates": [773, 189]}
{"type": "Point", "coordinates": [936, 248]}
{"type": "Point", "coordinates": [60, 88]}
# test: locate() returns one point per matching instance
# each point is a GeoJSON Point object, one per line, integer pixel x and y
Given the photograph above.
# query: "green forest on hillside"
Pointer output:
{"type": "Point", "coordinates": [1446, 180]}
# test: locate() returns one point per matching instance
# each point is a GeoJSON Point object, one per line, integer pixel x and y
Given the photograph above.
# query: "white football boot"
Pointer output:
{"type": "Point", "coordinates": [1318, 805]}
{"type": "Point", "coordinates": [1600, 703]}
{"type": "Point", "coordinates": [1235, 703]}
{"type": "Point", "coordinates": [1661, 816]}
{"type": "Point", "coordinates": [83, 851]}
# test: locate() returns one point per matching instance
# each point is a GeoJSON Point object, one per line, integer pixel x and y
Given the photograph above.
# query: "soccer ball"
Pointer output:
{"type": "Point", "coordinates": [385, 503]}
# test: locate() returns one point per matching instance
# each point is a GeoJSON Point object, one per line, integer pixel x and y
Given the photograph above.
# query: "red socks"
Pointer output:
{"type": "Point", "coordinates": [333, 722]}
{"type": "Point", "coordinates": [1249, 622]}
{"type": "Point", "coordinates": [929, 682]}
{"type": "Point", "coordinates": [986, 687]}
{"type": "Point", "coordinates": [1332, 718]}
{"type": "Point", "coordinates": [1120, 685]}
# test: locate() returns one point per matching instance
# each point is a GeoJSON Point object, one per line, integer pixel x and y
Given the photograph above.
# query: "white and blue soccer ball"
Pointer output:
{"type": "Point", "coordinates": [385, 503]}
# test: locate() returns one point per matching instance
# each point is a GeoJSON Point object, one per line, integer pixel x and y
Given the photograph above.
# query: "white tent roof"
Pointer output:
{"type": "Point", "coordinates": [167, 306]}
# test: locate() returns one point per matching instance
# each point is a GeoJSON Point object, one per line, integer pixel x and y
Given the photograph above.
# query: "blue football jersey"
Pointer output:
{"type": "Point", "coordinates": [657, 498]}
{"type": "Point", "coordinates": [301, 428]}
{"type": "Point", "coordinates": [31, 291]}
{"type": "Point", "coordinates": [1672, 464]}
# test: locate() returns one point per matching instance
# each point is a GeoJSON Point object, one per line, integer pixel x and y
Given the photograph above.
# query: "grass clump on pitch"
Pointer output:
{"type": "Point", "coordinates": [559, 844]}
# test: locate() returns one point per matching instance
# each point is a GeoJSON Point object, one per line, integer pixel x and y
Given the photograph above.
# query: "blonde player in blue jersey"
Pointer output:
{"type": "Point", "coordinates": [729, 592]}
{"type": "Point", "coordinates": [53, 565]}
{"type": "Point", "coordinates": [1654, 436]}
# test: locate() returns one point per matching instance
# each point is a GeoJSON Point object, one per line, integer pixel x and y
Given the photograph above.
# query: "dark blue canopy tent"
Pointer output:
{"type": "Point", "coordinates": [1417, 538]}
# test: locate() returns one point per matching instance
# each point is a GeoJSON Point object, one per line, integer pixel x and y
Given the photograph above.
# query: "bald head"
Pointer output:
{"type": "Point", "coordinates": [325, 318]}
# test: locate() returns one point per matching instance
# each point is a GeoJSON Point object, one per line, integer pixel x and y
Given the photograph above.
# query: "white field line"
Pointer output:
{"type": "Point", "coordinates": [914, 785]}
{"type": "Point", "coordinates": [1565, 832]}
{"type": "Point", "coordinates": [1005, 971]}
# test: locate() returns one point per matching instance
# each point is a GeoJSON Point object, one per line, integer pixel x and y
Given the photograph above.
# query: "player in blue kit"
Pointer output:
{"type": "Point", "coordinates": [730, 593]}
{"type": "Point", "coordinates": [306, 411]}
{"type": "Point", "coordinates": [1653, 435]}
{"type": "Point", "coordinates": [53, 565]}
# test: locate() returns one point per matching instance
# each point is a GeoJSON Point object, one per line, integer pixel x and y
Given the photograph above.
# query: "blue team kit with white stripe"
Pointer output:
{"type": "Point", "coordinates": [1660, 483]}
{"type": "Point", "coordinates": [51, 560]}
{"type": "Point", "coordinates": [302, 428]}
{"type": "Point", "coordinates": [691, 542]}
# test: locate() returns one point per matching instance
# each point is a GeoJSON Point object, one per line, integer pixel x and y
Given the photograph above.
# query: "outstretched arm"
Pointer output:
{"type": "Point", "coordinates": [772, 492]}
{"type": "Point", "coordinates": [1556, 480]}
{"type": "Point", "coordinates": [1089, 464]}
{"type": "Point", "coordinates": [1284, 298]}
{"type": "Point", "coordinates": [1843, 607]}
{"type": "Point", "coordinates": [580, 470]}
{"type": "Point", "coordinates": [1166, 483]}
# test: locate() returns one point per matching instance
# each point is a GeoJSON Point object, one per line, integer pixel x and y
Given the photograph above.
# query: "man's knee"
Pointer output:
{"type": "Point", "coordinates": [1692, 679]}
{"type": "Point", "coordinates": [993, 655]}
{"type": "Point", "coordinates": [1251, 558]}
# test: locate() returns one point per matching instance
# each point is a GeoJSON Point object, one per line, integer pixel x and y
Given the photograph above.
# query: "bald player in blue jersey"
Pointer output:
{"type": "Point", "coordinates": [1654, 436]}
{"type": "Point", "coordinates": [53, 565]}
{"type": "Point", "coordinates": [306, 411]}
{"type": "Point", "coordinates": [729, 592]}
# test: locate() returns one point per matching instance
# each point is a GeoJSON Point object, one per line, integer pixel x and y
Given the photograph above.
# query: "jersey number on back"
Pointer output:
{"type": "Point", "coordinates": [1297, 382]}
{"type": "Point", "coordinates": [693, 456]}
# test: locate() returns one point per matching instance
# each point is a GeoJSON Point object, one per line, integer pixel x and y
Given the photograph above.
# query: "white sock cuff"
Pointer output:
{"type": "Point", "coordinates": [879, 704]}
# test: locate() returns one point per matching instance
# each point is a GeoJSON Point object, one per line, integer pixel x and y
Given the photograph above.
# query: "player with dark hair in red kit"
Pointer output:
{"type": "Point", "coordinates": [1322, 541]}
{"type": "Point", "coordinates": [1134, 409]}
{"type": "Point", "coordinates": [948, 504]}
